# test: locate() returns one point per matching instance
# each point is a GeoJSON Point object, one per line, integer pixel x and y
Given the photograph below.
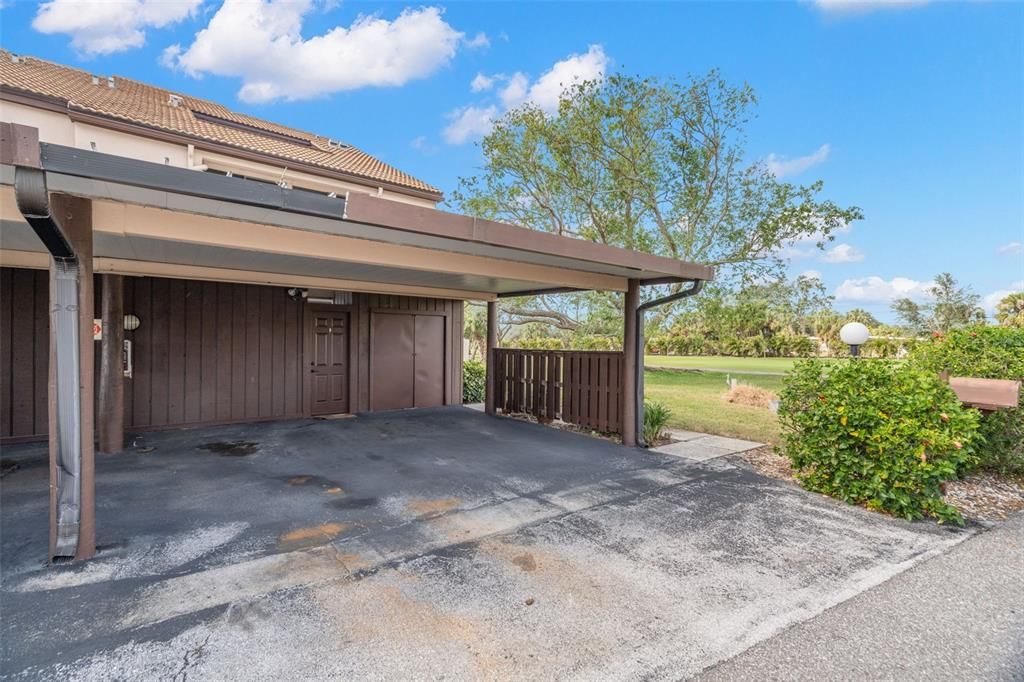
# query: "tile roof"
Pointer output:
{"type": "Point", "coordinates": [151, 106]}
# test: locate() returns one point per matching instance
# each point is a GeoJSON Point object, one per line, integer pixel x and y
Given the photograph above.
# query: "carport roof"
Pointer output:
{"type": "Point", "coordinates": [155, 219]}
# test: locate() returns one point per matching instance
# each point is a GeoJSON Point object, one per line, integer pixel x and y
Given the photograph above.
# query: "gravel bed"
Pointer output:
{"type": "Point", "coordinates": [986, 497]}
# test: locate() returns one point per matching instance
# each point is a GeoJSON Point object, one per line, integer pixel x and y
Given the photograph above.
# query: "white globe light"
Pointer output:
{"type": "Point", "coordinates": [854, 334]}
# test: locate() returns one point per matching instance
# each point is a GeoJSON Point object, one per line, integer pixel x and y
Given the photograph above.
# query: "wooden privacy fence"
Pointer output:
{"type": "Point", "coordinates": [578, 387]}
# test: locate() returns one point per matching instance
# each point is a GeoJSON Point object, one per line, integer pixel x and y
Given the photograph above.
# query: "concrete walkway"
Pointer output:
{"type": "Point", "coordinates": [958, 616]}
{"type": "Point", "coordinates": [702, 446]}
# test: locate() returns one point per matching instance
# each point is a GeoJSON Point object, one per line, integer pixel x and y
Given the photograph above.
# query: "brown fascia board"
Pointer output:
{"type": "Point", "coordinates": [371, 210]}
{"type": "Point", "coordinates": [83, 115]}
{"type": "Point", "coordinates": [19, 145]}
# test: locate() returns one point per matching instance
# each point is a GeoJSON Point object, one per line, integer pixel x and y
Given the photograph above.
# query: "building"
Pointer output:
{"type": "Point", "coordinates": [234, 270]}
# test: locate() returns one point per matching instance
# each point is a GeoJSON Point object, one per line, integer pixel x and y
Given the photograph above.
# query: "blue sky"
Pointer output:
{"type": "Point", "coordinates": [914, 112]}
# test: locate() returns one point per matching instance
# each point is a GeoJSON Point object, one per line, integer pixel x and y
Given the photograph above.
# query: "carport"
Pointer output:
{"type": "Point", "coordinates": [293, 303]}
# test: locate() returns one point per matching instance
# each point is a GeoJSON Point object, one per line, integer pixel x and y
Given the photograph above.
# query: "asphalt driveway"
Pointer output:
{"type": "Point", "coordinates": [426, 544]}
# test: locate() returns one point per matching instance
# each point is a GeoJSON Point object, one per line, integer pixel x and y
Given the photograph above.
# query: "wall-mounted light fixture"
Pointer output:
{"type": "Point", "coordinates": [131, 323]}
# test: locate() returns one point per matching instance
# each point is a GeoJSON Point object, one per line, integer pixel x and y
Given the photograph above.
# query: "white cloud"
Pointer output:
{"type": "Point", "coordinates": [1012, 249]}
{"type": "Point", "coordinates": [990, 301]}
{"type": "Point", "coordinates": [469, 122]}
{"type": "Point", "coordinates": [478, 41]}
{"type": "Point", "coordinates": [875, 288]}
{"type": "Point", "coordinates": [421, 144]}
{"type": "Point", "coordinates": [810, 274]}
{"type": "Point", "coordinates": [807, 246]}
{"type": "Point", "coordinates": [517, 89]}
{"type": "Point", "coordinates": [100, 27]}
{"type": "Point", "coordinates": [781, 167]}
{"type": "Point", "coordinates": [842, 253]}
{"type": "Point", "coordinates": [481, 82]}
{"type": "Point", "coordinates": [261, 42]}
{"type": "Point", "coordinates": [589, 66]}
{"type": "Point", "coordinates": [861, 6]}
{"type": "Point", "coordinates": [169, 56]}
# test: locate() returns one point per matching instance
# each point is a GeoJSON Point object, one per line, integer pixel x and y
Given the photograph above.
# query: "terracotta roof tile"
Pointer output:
{"type": "Point", "coordinates": [148, 105]}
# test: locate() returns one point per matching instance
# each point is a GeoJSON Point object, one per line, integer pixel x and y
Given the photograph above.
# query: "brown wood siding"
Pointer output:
{"type": "Point", "coordinates": [205, 352]}
{"type": "Point", "coordinates": [212, 352]}
{"type": "Point", "coordinates": [24, 353]}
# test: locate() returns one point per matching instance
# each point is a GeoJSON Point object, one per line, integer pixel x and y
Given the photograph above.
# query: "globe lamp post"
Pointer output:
{"type": "Point", "coordinates": [854, 335]}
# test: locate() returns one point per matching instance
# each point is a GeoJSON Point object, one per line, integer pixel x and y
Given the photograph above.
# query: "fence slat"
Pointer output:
{"type": "Point", "coordinates": [578, 387]}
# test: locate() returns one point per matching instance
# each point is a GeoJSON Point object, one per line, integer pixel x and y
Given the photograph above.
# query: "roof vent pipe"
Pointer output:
{"type": "Point", "coordinates": [110, 82]}
{"type": "Point", "coordinates": [693, 290]}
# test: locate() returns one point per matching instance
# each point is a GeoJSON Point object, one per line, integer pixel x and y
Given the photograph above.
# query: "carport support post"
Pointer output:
{"type": "Point", "coordinates": [630, 367]}
{"type": "Point", "coordinates": [75, 217]}
{"type": "Point", "coordinates": [492, 343]}
{"type": "Point", "coordinates": [111, 392]}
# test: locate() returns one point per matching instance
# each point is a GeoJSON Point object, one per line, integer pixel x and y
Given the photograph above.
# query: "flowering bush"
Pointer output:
{"type": "Point", "coordinates": [876, 433]}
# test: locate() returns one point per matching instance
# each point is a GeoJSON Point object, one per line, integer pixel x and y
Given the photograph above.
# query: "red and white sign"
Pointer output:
{"type": "Point", "coordinates": [97, 329]}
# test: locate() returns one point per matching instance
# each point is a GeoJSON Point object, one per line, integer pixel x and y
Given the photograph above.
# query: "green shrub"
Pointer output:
{"type": "Point", "coordinates": [474, 381]}
{"type": "Point", "coordinates": [595, 342]}
{"type": "Point", "coordinates": [986, 353]}
{"type": "Point", "coordinates": [539, 343]}
{"type": "Point", "coordinates": [656, 416]}
{"type": "Point", "coordinates": [876, 433]}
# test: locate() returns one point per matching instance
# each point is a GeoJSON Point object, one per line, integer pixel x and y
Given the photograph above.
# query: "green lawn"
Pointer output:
{"type": "Point", "coordinates": [721, 362]}
{"type": "Point", "coordinates": [697, 404]}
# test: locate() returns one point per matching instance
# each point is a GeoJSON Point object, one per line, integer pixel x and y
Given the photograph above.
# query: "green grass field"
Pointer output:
{"type": "Point", "coordinates": [697, 402]}
{"type": "Point", "coordinates": [721, 363]}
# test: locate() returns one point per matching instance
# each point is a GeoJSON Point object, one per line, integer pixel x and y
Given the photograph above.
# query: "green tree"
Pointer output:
{"type": "Point", "coordinates": [474, 330]}
{"type": "Point", "coordinates": [1010, 310]}
{"type": "Point", "coordinates": [652, 165]}
{"type": "Point", "coordinates": [951, 306]}
{"type": "Point", "coordinates": [862, 316]}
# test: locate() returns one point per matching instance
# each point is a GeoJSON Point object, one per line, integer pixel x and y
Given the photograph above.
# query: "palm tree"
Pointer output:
{"type": "Point", "coordinates": [1010, 310]}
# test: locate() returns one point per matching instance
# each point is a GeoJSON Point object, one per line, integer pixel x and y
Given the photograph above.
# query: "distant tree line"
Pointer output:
{"type": "Point", "coordinates": [783, 318]}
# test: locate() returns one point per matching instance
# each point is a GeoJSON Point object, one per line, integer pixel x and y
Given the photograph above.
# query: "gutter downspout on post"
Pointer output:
{"type": "Point", "coordinates": [694, 289]}
{"type": "Point", "coordinates": [630, 368]}
{"type": "Point", "coordinates": [72, 523]}
{"type": "Point", "coordinates": [490, 375]}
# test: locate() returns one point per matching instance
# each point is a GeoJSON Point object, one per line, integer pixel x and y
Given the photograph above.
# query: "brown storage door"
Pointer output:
{"type": "Point", "coordinates": [391, 361]}
{"type": "Point", "coordinates": [429, 361]}
{"type": "Point", "coordinates": [329, 366]}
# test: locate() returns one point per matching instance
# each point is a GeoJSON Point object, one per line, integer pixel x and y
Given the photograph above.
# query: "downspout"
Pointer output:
{"type": "Point", "coordinates": [693, 290]}
{"type": "Point", "coordinates": [34, 204]}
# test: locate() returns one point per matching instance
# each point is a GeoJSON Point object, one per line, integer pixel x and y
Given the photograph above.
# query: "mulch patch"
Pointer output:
{"type": "Point", "coordinates": [769, 463]}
